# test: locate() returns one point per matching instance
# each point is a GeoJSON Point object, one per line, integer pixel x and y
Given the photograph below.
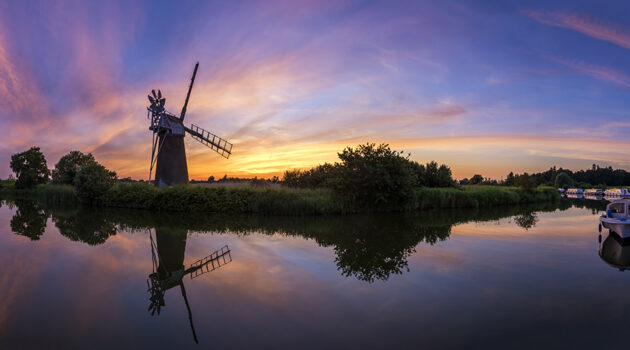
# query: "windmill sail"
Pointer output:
{"type": "Point", "coordinates": [212, 141]}
{"type": "Point", "coordinates": [210, 263]}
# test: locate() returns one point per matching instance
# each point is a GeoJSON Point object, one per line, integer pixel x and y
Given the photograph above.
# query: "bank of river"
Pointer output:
{"type": "Point", "coordinates": [290, 201]}
{"type": "Point", "coordinates": [524, 276]}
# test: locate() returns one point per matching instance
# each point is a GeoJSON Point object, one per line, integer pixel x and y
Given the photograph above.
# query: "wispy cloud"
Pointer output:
{"type": "Point", "coordinates": [587, 25]}
{"type": "Point", "coordinates": [596, 71]}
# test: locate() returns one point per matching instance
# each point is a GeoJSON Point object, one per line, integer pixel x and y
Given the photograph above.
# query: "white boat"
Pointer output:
{"type": "Point", "coordinates": [617, 192]}
{"type": "Point", "coordinates": [575, 191]}
{"type": "Point", "coordinates": [616, 218]}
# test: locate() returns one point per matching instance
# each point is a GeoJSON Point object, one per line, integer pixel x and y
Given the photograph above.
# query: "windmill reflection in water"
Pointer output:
{"type": "Point", "coordinates": [167, 253]}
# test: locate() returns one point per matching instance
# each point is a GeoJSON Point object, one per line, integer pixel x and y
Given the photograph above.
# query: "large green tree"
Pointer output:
{"type": "Point", "coordinates": [30, 168]}
{"type": "Point", "coordinates": [69, 165]}
{"type": "Point", "coordinates": [92, 181]}
{"type": "Point", "coordinates": [375, 175]}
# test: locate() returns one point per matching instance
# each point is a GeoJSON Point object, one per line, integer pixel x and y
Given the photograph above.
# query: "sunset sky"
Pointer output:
{"type": "Point", "coordinates": [486, 87]}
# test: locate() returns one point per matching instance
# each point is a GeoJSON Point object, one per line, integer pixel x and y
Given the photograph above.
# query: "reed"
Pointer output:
{"type": "Point", "coordinates": [285, 201]}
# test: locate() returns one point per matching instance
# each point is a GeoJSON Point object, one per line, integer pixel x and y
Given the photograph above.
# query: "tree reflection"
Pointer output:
{"type": "Point", "coordinates": [29, 219]}
{"type": "Point", "coordinates": [85, 225]}
{"type": "Point", "coordinates": [374, 251]}
{"type": "Point", "coordinates": [526, 220]}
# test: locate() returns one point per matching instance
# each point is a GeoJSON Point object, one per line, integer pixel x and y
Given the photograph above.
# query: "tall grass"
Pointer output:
{"type": "Point", "coordinates": [57, 195]}
{"type": "Point", "coordinates": [286, 201]}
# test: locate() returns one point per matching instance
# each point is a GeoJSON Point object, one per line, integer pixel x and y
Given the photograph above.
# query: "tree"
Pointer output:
{"type": "Point", "coordinates": [374, 175]}
{"type": "Point", "coordinates": [211, 179]}
{"type": "Point", "coordinates": [30, 168]}
{"type": "Point", "coordinates": [476, 179]}
{"type": "Point", "coordinates": [68, 167]}
{"type": "Point", "coordinates": [563, 180]}
{"type": "Point", "coordinates": [527, 183]}
{"type": "Point", "coordinates": [92, 181]}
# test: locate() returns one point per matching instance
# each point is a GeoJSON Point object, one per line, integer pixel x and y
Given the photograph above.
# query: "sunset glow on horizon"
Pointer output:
{"type": "Point", "coordinates": [485, 87]}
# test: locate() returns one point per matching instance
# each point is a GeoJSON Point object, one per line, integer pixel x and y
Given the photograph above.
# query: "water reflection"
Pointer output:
{"type": "Point", "coordinates": [615, 251]}
{"type": "Point", "coordinates": [89, 226]}
{"type": "Point", "coordinates": [367, 247]}
{"type": "Point", "coordinates": [29, 219]}
{"type": "Point", "coordinates": [167, 252]}
{"type": "Point", "coordinates": [526, 220]}
{"type": "Point", "coordinates": [284, 291]}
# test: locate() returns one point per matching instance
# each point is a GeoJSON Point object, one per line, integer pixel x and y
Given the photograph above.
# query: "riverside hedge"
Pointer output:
{"type": "Point", "coordinates": [288, 201]}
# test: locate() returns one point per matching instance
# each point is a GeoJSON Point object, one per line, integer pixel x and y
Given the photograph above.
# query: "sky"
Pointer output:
{"type": "Point", "coordinates": [486, 87]}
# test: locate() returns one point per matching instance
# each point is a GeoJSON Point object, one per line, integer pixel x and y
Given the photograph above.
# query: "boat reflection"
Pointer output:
{"type": "Point", "coordinates": [615, 251]}
{"type": "Point", "coordinates": [167, 252]}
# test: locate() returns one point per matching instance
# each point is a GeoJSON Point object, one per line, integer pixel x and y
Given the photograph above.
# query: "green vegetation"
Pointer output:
{"type": "Point", "coordinates": [30, 168]}
{"type": "Point", "coordinates": [288, 201]}
{"type": "Point", "coordinates": [368, 178]}
{"type": "Point", "coordinates": [371, 176]}
{"type": "Point", "coordinates": [68, 166]}
{"type": "Point", "coordinates": [92, 182]}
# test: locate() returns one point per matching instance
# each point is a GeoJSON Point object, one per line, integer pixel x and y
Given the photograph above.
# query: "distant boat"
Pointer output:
{"type": "Point", "coordinates": [616, 218]}
{"type": "Point", "coordinates": [575, 191]}
{"type": "Point", "coordinates": [594, 197]}
{"type": "Point", "coordinates": [617, 192]}
{"type": "Point", "coordinates": [593, 192]}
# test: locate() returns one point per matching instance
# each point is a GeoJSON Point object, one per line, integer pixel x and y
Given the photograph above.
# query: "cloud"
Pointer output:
{"type": "Point", "coordinates": [596, 71]}
{"type": "Point", "coordinates": [587, 25]}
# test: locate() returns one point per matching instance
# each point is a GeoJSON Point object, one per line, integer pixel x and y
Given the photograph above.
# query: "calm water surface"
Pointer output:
{"type": "Point", "coordinates": [519, 277]}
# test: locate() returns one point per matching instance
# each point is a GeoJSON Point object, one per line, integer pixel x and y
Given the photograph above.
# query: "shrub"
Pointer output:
{"type": "Point", "coordinates": [30, 168]}
{"type": "Point", "coordinates": [375, 176]}
{"type": "Point", "coordinates": [68, 167]}
{"type": "Point", "coordinates": [92, 181]}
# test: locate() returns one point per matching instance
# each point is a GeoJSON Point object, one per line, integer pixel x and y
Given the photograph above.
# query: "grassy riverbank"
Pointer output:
{"type": "Point", "coordinates": [288, 201]}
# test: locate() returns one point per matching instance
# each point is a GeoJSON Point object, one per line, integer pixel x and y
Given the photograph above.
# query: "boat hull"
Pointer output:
{"type": "Point", "coordinates": [622, 228]}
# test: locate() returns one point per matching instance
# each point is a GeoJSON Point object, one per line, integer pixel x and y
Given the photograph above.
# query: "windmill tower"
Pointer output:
{"type": "Point", "coordinates": [168, 153]}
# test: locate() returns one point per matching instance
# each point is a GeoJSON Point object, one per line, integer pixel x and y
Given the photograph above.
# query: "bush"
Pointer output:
{"type": "Point", "coordinates": [375, 176]}
{"type": "Point", "coordinates": [68, 166]}
{"type": "Point", "coordinates": [92, 181]}
{"type": "Point", "coordinates": [30, 168]}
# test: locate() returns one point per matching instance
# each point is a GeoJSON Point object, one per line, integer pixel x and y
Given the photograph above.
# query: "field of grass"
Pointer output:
{"type": "Point", "coordinates": [288, 201]}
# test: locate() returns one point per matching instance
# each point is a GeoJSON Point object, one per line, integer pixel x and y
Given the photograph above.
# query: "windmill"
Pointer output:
{"type": "Point", "coordinates": [168, 154]}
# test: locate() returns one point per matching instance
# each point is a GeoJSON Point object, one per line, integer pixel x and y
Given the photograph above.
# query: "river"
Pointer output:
{"type": "Point", "coordinates": [512, 277]}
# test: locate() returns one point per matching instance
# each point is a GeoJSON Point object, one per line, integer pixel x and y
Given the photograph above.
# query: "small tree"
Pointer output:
{"type": "Point", "coordinates": [30, 168]}
{"type": "Point", "coordinates": [68, 167]}
{"type": "Point", "coordinates": [476, 179]}
{"type": "Point", "coordinates": [92, 181]}
{"type": "Point", "coordinates": [211, 179]}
